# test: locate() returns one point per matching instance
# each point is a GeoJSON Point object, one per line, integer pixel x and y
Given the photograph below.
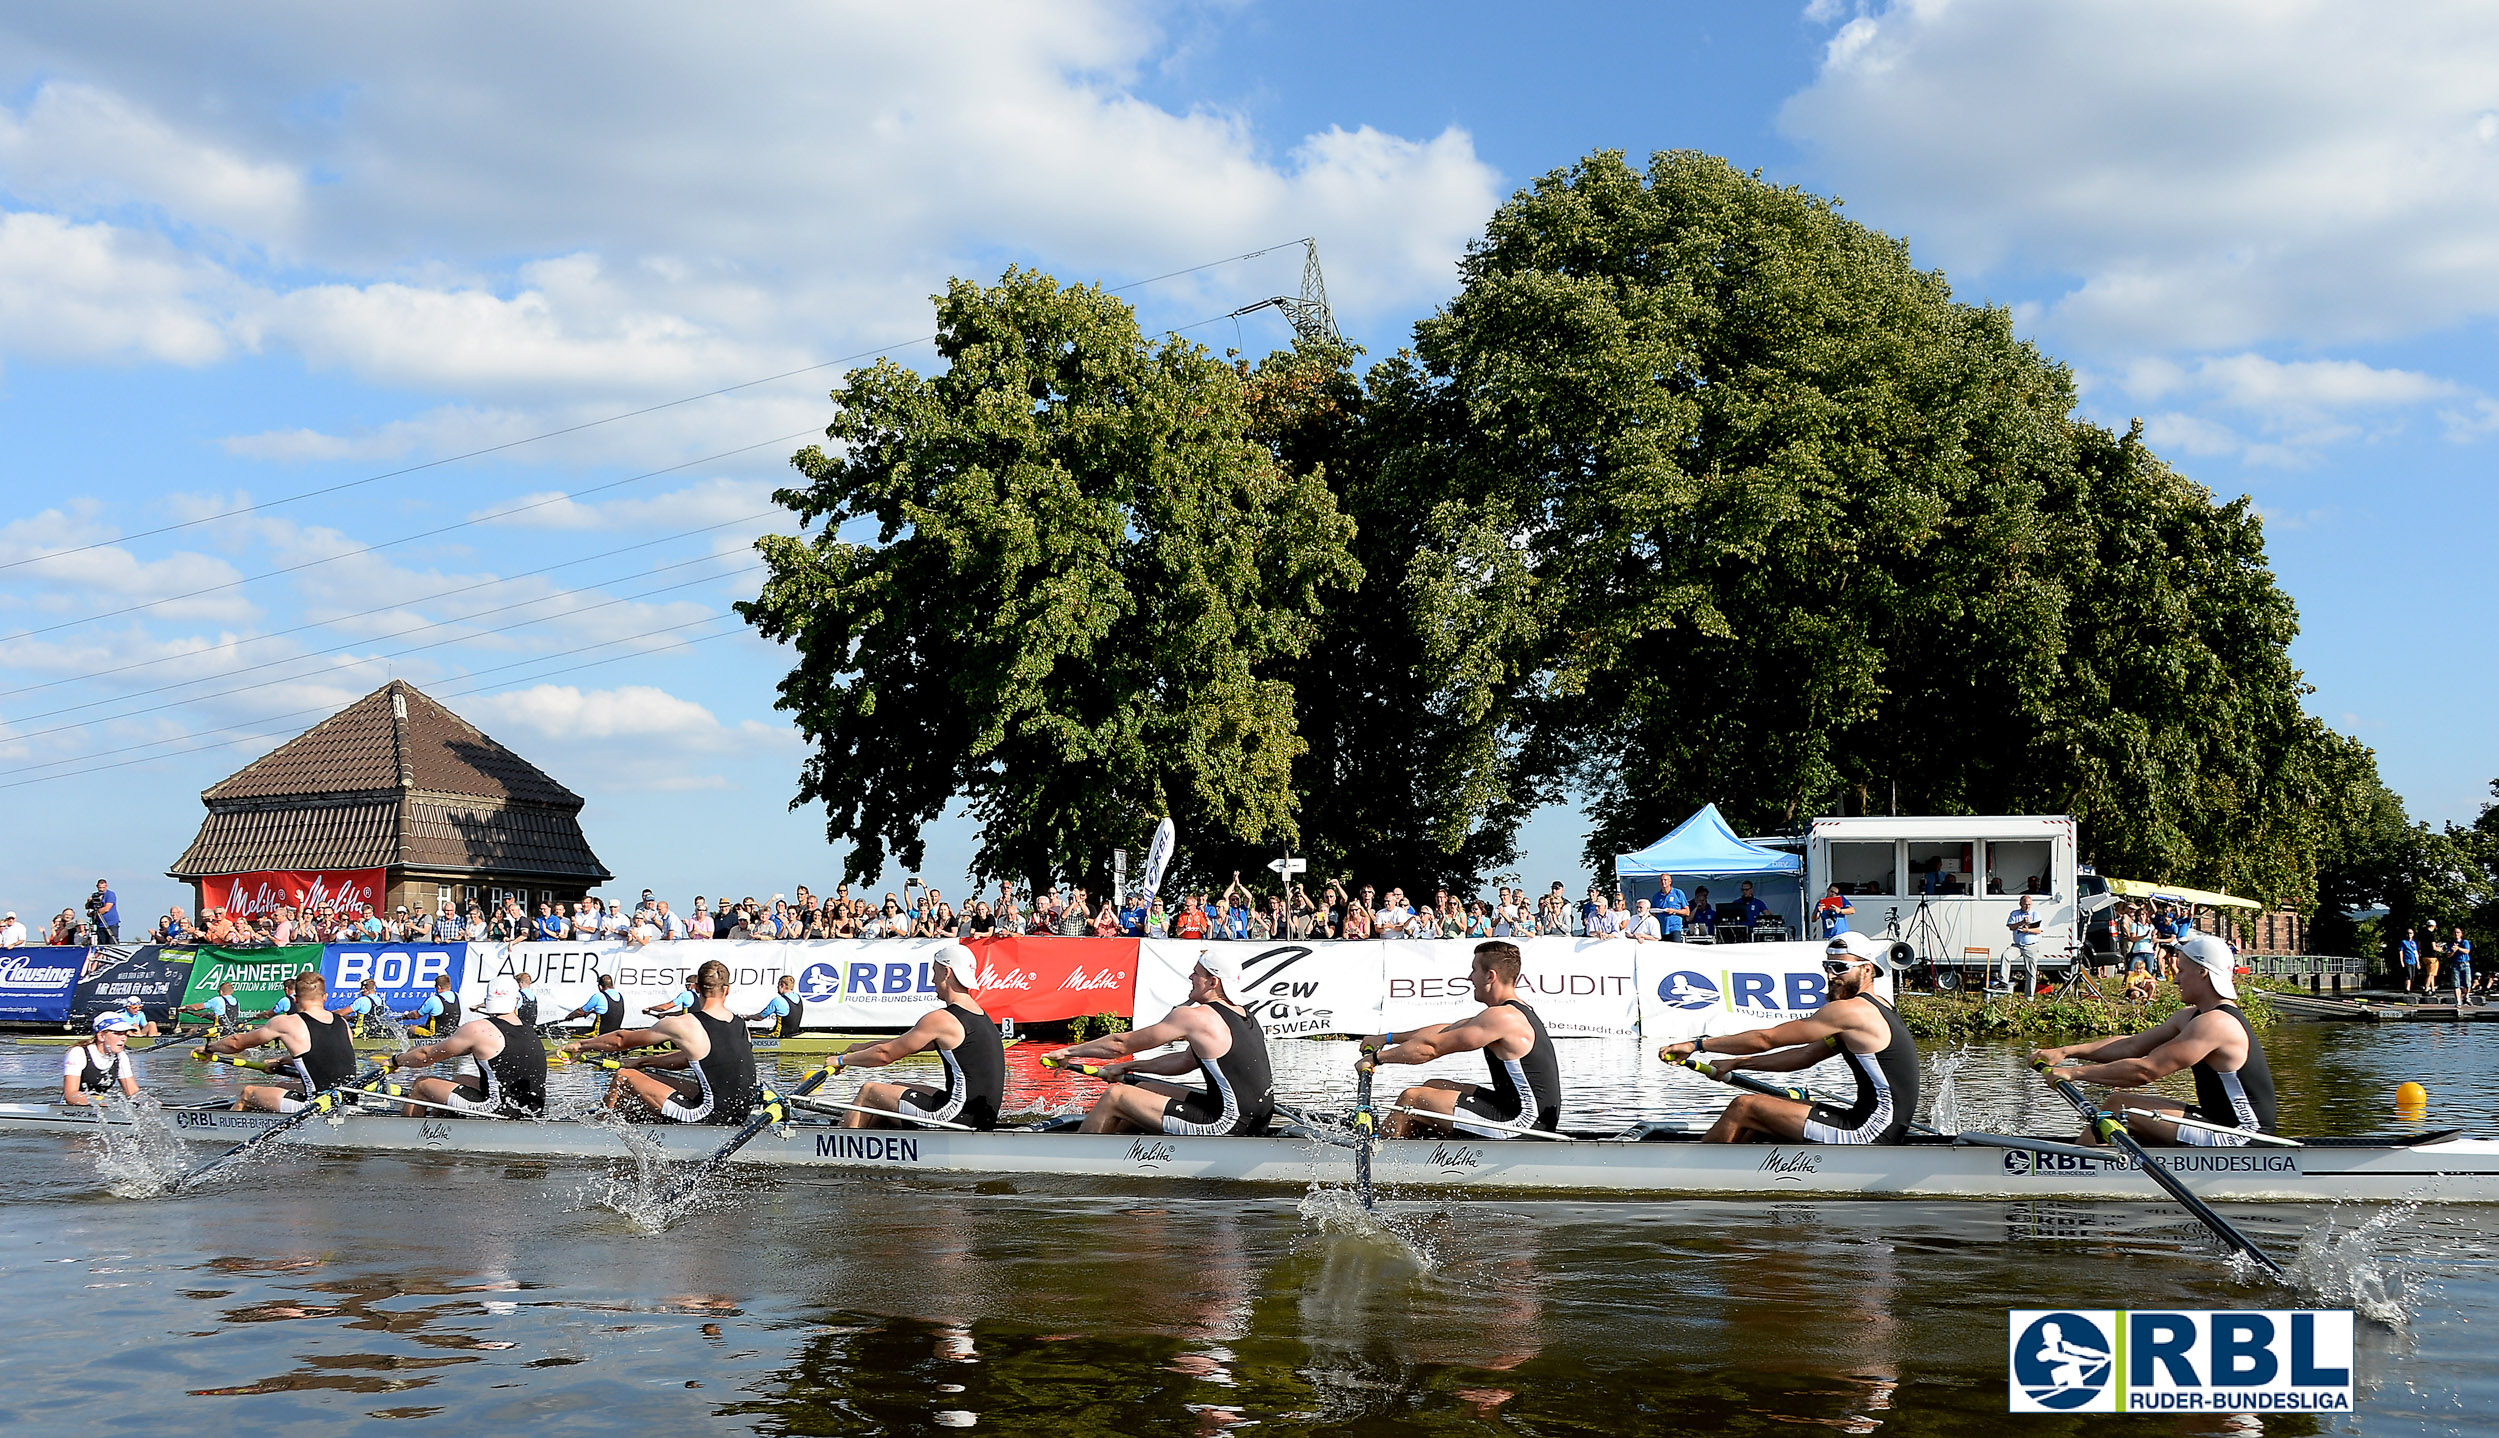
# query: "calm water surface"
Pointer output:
{"type": "Point", "coordinates": [320, 1294]}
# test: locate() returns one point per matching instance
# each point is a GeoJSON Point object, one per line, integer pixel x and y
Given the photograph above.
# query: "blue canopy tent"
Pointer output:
{"type": "Point", "coordinates": [1703, 852]}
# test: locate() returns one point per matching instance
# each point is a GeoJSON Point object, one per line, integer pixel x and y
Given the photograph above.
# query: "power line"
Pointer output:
{"type": "Point", "coordinates": [567, 429]}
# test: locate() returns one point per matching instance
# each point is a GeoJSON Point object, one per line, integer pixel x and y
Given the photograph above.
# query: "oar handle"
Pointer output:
{"type": "Point", "coordinates": [1747, 1082]}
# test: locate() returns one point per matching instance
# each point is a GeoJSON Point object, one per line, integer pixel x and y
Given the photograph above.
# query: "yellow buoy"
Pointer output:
{"type": "Point", "coordinates": [2411, 1095]}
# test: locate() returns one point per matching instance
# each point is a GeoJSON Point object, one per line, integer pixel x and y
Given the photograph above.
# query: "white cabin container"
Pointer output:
{"type": "Point", "coordinates": [1969, 872]}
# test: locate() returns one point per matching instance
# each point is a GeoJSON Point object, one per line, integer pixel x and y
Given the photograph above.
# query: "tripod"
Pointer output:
{"type": "Point", "coordinates": [2078, 976]}
{"type": "Point", "coordinates": [1925, 938]}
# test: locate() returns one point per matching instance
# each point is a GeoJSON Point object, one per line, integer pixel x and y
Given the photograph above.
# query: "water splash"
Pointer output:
{"type": "Point", "coordinates": [645, 1189]}
{"type": "Point", "coordinates": [2347, 1266]}
{"type": "Point", "coordinates": [1336, 1215]}
{"type": "Point", "coordinates": [136, 1151]}
{"type": "Point", "coordinates": [1945, 1111]}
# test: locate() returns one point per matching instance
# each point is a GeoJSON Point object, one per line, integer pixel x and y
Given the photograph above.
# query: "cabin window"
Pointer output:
{"type": "Point", "coordinates": [2019, 866]}
{"type": "Point", "coordinates": [1940, 870]}
{"type": "Point", "coordinates": [1864, 868]}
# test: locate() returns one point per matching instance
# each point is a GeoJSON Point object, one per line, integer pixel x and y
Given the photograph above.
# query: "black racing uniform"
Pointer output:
{"type": "Point", "coordinates": [787, 1027]}
{"type": "Point", "coordinates": [331, 1059]}
{"type": "Point", "coordinates": [1240, 1092]}
{"type": "Point", "coordinates": [1887, 1090]}
{"type": "Point", "coordinates": [1525, 1091]}
{"type": "Point", "coordinates": [97, 1080]}
{"type": "Point", "coordinates": [728, 1070]}
{"type": "Point", "coordinates": [614, 1018]}
{"type": "Point", "coordinates": [520, 1071]}
{"type": "Point", "coordinates": [527, 1010]}
{"type": "Point", "coordinates": [2241, 1098]}
{"type": "Point", "coordinates": [976, 1075]}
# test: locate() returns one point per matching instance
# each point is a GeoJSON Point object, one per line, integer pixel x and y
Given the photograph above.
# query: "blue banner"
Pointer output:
{"type": "Point", "coordinates": [154, 976]}
{"type": "Point", "coordinates": [403, 974]}
{"type": "Point", "coordinates": [36, 985]}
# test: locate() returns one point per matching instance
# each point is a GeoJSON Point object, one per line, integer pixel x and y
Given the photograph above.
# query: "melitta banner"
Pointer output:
{"type": "Point", "coordinates": [255, 973]}
{"type": "Point", "coordinates": [1691, 990]}
{"type": "Point", "coordinates": [36, 985]}
{"type": "Point", "coordinates": [250, 894]}
{"type": "Point", "coordinates": [155, 976]}
{"type": "Point", "coordinates": [845, 983]}
{"type": "Point", "coordinates": [1578, 987]}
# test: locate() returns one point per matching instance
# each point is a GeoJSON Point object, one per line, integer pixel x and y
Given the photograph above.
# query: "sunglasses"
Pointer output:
{"type": "Point", "coordinates": [1836, 967]}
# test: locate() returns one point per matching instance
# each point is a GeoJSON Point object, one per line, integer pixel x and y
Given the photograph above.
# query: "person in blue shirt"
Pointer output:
{"type": "Point", "coordinates": [550, 924]}
{"type": "Point", "coordinates": [362, 1009]}
{"type": "Point", "coordinates": [606, 1008]}
{"type": "Point", "coordinates": [683, 1003]}
{"type": "Point", "coordinates": [783, 1009]}
{"type": "Point", "coordinates": [1132, 918]}
{"type": "Point", "coordinates": [1704, 913]}
{"type": "Point", "coordinates": [2410, 953]}
{"type": "Point", "coordinates": [104, 911]}
{"type": "Point", "coordinates": [1834, 912]}
{"type": "Point", "coordinates": [219, 1008]}
{"type": "Point", "coordinates": [2460, 959]}
{"type": "Point", "coordinates": [1671, 907]}
{"type": "Point", "coordinates": [1750, 910]}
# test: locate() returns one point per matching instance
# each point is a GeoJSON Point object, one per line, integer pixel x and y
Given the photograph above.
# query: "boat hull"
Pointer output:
{"type": "Point", "coordinates": [2457, 1170]}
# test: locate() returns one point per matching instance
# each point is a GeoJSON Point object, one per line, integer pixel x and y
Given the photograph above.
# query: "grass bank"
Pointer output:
{"type": "Point", "coordinates": [1959, 1018]}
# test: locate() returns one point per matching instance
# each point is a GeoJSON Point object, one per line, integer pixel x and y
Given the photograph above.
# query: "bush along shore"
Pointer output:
{"type": "Point", "coordinates": [2064, 1018]}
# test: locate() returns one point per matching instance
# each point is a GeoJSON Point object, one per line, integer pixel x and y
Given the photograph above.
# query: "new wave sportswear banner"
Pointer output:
{"type": "Point", "coordinates": [156, 977]}
{"type": "Point", "coordinates": [1291, 988]}
{"type": "Point", "coordinates": [255, 973]}
{"type": "Point", "coordinates": [1580, 987]}
{"type": "Point", "coordinates": [845, 983]}
{"type": "Point", "coordinates": [1688, 991]}
{"type": "Point", "coordinates": [36, 985]}
{"type": "Point", "coordinates": [254, 894]}
{"type": "Point", "coordinates": [403, 974]}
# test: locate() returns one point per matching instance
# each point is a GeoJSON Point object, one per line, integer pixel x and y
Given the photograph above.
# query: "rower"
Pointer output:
{"type": "Point", "coordinates": [785, 1008]}
{"type": "Point", "coordinates": [2233, 1084]}
{"type": "Point", "coordinates": [527, 1012]}
{"type": "Point", "coordinates": [135, 1020]}
{"type": "Point", "coordinates": [966, 1040]}
{"type": "Point", "coordinates": [605, 1008]}
{"type": "Point", "coordinates": [511, 1077]}
{"type": "Point", "coordinates": [1224, 1043]}
{"type": "Point", "coordinates": [101, 1064]}
{"type": "Point", "coordinates": [439, 1015]}
{"type": "Point", "coordinates": [717, 1062]}
{"type": "Point", "coordinates": [367, 1009]}
{"type": "Point", "coordinates": [320, 1054]}
{"type": "Point", "coordinates": [1851, 1024]}
{"type": "Point", "coordinates": [1526, 1087]}
{"type": "Point", "coordinates": [684, 1003]}
{"type": "Point", "coordinates": [221, 1010]}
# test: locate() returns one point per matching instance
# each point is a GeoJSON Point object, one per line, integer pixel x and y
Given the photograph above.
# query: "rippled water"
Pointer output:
{"type": "Point", "coordinates": [321, 1293]}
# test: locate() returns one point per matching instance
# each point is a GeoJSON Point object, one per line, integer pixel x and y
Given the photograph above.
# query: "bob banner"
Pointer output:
{"type": "Point", "coordinates": [254, 894]}
{"type": "Point", "coordinates": [403, 974]}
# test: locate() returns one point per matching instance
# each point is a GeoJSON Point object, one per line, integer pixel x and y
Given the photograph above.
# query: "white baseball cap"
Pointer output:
{"type": "Point", "coordinates": [1225, 968]}
{"type": "Point", "coordinates": [957, 960]}
{"type": "Point", "coordinates": [2213, 956]}
{"type": "Point", "coordinates": [1863, 948]}
{"type": "Point", "coordinates": [503, 996]}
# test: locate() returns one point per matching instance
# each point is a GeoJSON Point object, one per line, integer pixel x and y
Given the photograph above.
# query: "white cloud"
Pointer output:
{"type": "Point", "coordinates": [79, 291]}
{"type": "Point", "coordinates": [78, 147]}
{"type": "Point", "coordinates": [2210, 176]}
{"type": "Point", "coordinates": [712, 502]}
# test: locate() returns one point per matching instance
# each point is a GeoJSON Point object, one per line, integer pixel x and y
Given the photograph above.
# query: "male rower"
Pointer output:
{"type": "Point", "coordinates": [1851, 1024]}
{"type": "Point", "coordinates": [439, 1015]}
{"type": "Point", "coordinates": [785, 1008]}
{"type": "Point", "coordinates": [2233, 1084]}
{"type": "Point", "coordinates": [367, 1010]}
{"type": "Point", "coordinates": [221, 1009]}
{"type": "Point", "coordinates": [319, 1053]}
{"type": "Point", "coordinates": [511, 1077]}
{"type": "Point", "coordinates": [605, 1009]}
{"type": "Point", "coordinates": [1224, 1043]}
{"type": "Point", "coordinates": [710, 1078]}
{"type": "Point", "coordinates": [101, 1064]}
{"type": "Point", "coordinates": [685, 1002]}
{"type": "Point", "coordinates": [135, 1020]}
{"type": "Point", "coordinates": [967, 1043]}
{"type": "Point", "coordinates": [527, 999]}
{"type": "Point", "coordinates": [1526, 1087]}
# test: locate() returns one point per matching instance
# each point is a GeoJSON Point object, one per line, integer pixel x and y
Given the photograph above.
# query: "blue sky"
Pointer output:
{"type": "Point", "coordinates": [275, 249]}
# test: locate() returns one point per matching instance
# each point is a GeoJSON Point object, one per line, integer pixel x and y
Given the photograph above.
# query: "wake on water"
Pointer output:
{"type": "Point", "coordinates": [2346, 1264]}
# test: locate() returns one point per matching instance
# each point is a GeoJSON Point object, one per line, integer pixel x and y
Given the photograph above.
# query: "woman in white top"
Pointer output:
{"type": "Point", "coordinates": [100, 1065]}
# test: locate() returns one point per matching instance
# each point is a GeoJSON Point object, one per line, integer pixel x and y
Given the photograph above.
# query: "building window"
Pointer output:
{"type": "Point", "coordinates": [2019, 866]}
{"type": "Point", "coordinates": [1940, 870]}
{"type": "Point", "coordinates": [1865, 868]}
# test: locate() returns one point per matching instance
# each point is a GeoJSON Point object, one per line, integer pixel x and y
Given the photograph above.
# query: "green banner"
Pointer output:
{"type": "Point", "coordinates": [255, 973]}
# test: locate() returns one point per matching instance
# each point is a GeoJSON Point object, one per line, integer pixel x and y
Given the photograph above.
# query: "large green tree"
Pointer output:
{"type": "Point", "coordinates": [1059, 583]}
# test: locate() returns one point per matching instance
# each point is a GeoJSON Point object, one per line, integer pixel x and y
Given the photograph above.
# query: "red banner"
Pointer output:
{"type": "Point", "coordinates": [1031, 980]}
{"type": "Point", "coordinates": [246, 895]}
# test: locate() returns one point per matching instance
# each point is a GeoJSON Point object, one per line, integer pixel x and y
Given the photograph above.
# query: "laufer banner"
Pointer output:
{"type": "Point", "coordinates": [36, 984]}
{"type": "Point", "coordinates": [846, 983]}
{"type": "Point", "coordinates": [255, 973]}
{"type": "Point", "coordinates": [1691, 990]}
{"type": "Point", "coordinates": [155, 976]}
{"type": "Point", "coordinates": [251, 894]}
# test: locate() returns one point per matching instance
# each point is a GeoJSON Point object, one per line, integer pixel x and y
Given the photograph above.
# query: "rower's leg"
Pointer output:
{"type": "Point", "coordinates": [1127, 1108]}
{"type": "Point", "coordinates": [1438, 1095]}
{"type": "Point", "coordinates": [432, 1090]}
{"type": "Point", "coordinates": [1759, 1118]}
{"type": "Point", "coordinates": [2145, 1130]}
{"type": "Point", "coordinates": [644, 1089]}
{"type": "Point", "coordinates": [874, 1095]}
{"type": "Point", "coordinates": [264, 1098]}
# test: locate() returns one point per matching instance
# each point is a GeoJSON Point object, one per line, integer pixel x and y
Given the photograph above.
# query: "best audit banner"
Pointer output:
{"type": "Point", "coordinates": [36, 984]}
{"type": "Point", "coordinates": [1688, 991]}
{"type": "Point", "coordinates": [155, 976]}
{"type": "Point", "coordinates": [1580, 988]}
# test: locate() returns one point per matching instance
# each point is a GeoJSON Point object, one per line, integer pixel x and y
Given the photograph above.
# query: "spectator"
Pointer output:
{"type": "Point", "coordinates": [1394, 919]}
{"type": "Point", "coordinates": [220, 929]}
{"type": "Point", "coordinates": [644, 932]}
{"type": "Point", "coordinates": [2025, 924]}
{"type": "Point", "coordinates": [104, 913]}
{"type": "Point", "coordinates": [1644, 927]}
{"type": "Point", "coordinates": [449, 928]}
{"type": "Point", "coordinates": [1076, 916]}
{"type": "Point", "coordinates": [1357, 921]}
{"type": "Point", "coordinates": [976, 923]}
{"type": "Point", "coordinates": [1704, 913]}
{"type": "Point", "coordinates": [1190, 922]}
{"type": "Point", "coordinates": [474, 931]}
{"type": "Point", "coordinates": [174, 928]}
{"type": "Point", "coordinates": [1671, 908]}
{"type": "Point", "coordinates": [282, 932]}
{"type": "Point", "coordinates": [1831, 916]}
{"type": "Point", "coordinates": [12, 933]}
{"type": "Point", "coordinates": [1132, 918]}
{"type": "Point", "coordinates": [1108, 924]}
{"type": "Point", "coordinates": [1591, 910]}
{"type": "Point", "coordinates": [2408, 953]}
{"type": "Point", "coordinates": [1749, 910]}
{"type": "Point", "coordinates": [551, 925]}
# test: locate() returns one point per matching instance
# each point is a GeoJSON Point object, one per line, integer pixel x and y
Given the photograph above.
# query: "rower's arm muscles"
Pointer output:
{"type": "Point", "coordinates": [1178, 1061]}
{"type": "Point", "coordinates": [1171, 1030]}
{"type": "Point", "coordinates": [2135, 1070]}
{"type": "Point", "coordinates": [1787, 1060]}
{"type": "Point", "coordinates": [1751, 1042]}
{"type": "Point", "coordinates": [1438, 1040]}
{"type": "Point", "coordinates": [623, 1039]}
{"type": "Point", "coordinates": [919, 1039]}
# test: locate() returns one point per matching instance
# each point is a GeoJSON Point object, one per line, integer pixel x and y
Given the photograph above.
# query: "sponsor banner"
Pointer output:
{"type": "Point", "coordinates": [1579, 987]}
{"type": "Point", "coordinates": [255, 973]}
{"type": "Point", "coordinates": [298, 889]}
{"type": "Point", "coordinates": [2100, 1360]}
{"type": "Point", "coordinates": [846, 983]}
{"type": "Point", "coordinates": [1293, 989]}
{"type": "Point", "coordinates": [155, 976]}
{"type": "Point", "coordinates": [403, 974]}
{"type": "Point", "coordinates": [1688, 991]}
{"type": "Point", "coordinates": [37, 984]}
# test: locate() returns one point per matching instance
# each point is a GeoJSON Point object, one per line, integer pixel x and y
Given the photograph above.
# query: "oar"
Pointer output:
{"type": "Point", "coordinates": [1366, 1124]}
{"type": "Point", "coordinates": [2244, 1135]}
{"type": "Point", "coordinates": [315, 1105]}
{"type": "Point", "coordinates": [827, 1105]}
{"type": "Point", "coordinates": [397, 1094]}
{"type": "Point", "coordinates": [766, 1114]}
{"type": "Point", "coordinates": [1473, 1122]}
{"type": "Point", "coordinates": [166, 1042]}
{"type": "Point", "coordinates": [1737, 1078]}
{"type": "Point", "coordinates": [2112, 1131]}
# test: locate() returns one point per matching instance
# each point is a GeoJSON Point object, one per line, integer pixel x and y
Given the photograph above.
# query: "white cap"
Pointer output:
{"type": "Point", "coordinates": [503, 996]}
{"type": "Point", "coordinates": [958, 961]}
{"type": "Point", "coordinates": [134, 1002]}
{"type": "Point", "coordinates": [1225, 968]}
{"type": "Point", "coordinates": [1863, 948]}
{"type": "Point", "coordinates": [2210, 954]}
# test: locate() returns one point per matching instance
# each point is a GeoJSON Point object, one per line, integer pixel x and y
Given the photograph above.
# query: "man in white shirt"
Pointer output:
{"type": "Point", "coordinates": [2025, 923]}
{"type": "Point", "coordinates": [1643, 926]}
{"type": "Point", "coordinates": [12, 933]}
{"type": "Point", "coordinates": [1395, 920]}
{"type": "Point", "coordinates": [1607, 922]}
{"type": "Point", "coordinates": [614, 923]}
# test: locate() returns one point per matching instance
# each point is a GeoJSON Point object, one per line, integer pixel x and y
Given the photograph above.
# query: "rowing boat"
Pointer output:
{"type": "Point", "coordinates": [1652, 1161]}
{"type": "Point", "coordinates": [803, 1045]}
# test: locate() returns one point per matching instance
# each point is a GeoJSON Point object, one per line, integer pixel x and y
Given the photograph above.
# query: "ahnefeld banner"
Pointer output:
{"type": "Point", "coordinates": [255, 973]}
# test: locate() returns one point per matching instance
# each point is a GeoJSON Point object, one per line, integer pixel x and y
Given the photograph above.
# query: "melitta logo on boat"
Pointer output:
{"type": "Point", "coordinates": [1688, 990]}
{"type": "Point", "coordinates": [2180, 1361]}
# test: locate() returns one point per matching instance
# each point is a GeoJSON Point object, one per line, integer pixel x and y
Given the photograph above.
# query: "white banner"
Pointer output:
{"type": "Point", "coordinates": [1579, 987]}
{"type": "Point", "coordinates": [1691, 990]}
{"type": "Point", "coordinates": [846, 983]}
